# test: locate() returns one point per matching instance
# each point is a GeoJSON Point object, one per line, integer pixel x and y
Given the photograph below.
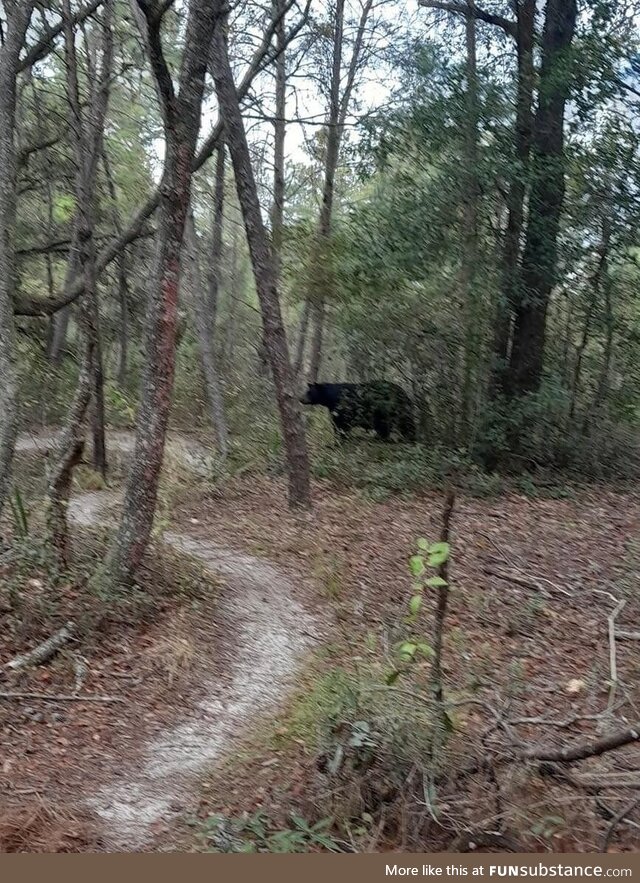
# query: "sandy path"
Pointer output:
{"type": "Point", "coordinates": [272, 633]}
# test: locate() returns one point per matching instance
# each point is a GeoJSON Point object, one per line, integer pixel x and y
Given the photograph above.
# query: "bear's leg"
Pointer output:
{"type": "Point", "coordinates": [340, 426]}
{"type": "Point", "coordinates": [381, 427]}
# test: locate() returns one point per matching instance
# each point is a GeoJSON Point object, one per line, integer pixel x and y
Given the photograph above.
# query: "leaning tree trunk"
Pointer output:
{"type": "Point", "coordinates": [263, 268]}
{"type": "Point", "coordinates": [181, 116]}
{"type": "Point", "coordinates": [15, 27]}
{"type": "Point", "coordinates": [546, 199]}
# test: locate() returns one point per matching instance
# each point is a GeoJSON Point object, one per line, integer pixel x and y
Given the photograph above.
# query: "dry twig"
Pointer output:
{"type": "Point", "coordinates": [60, 697]}
{"type": "Point", "coordinates": [43, 652]}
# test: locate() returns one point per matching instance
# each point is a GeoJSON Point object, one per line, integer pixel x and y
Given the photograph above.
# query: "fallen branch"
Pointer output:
{"type": "Point", "coordinates": [60, 697]}
{"type": "Point", "coordinates": [627, 636]}
{"type": "Point", "coordinates": [534, 583]}
{"type": "Point", "coordinates": [613, 663]}
{"type": "Point", "coordinates": [43, 652]}
{"type": "Point", "coordinates": [81, 671]}
{"type": "Point", "coordinates": [620, 817]}
{"type": "Point", "coordinates": [593, 748]}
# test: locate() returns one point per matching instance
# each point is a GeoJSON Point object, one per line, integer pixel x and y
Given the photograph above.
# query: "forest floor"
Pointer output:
{"type": "Point", "coordinates": [218, 686]}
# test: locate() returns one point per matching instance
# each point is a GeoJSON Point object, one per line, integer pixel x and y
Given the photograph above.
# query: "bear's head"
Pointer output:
{"type": "Point", "coordinates": [311, 396]}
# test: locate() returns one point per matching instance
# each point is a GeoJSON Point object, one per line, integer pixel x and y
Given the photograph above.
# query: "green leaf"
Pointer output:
{"type": "Point", "coordinates": [448, 723]}
{"type": "Point", "coordinates": [424, 648]}
{"type": "Point", "coordinates": [438, 554]}
{"type": "Point", "coordinates": [416, 563]}
{"type": "Point", "coordinates": [415, 604]}
{"type": "Point", "coordinates": [407, 650]}
{"type": "Point", "coordinates": [436, 582]}
{"type": "Point", "coordinates": [392, 677]}
{"type": "Point", "coordinates": [423, 545]}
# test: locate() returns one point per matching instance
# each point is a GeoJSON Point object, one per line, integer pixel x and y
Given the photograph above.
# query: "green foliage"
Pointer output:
{"type": "Point", "coordinates": [120, 409]}
{"type": "Point", "coordinates": [258, 833]}
{"type": "Point", "coordinates": [18, 511]}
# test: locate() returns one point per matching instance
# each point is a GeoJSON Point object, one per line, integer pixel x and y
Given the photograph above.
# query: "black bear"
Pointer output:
{"type": "Point", "coordinates": [383, 407]}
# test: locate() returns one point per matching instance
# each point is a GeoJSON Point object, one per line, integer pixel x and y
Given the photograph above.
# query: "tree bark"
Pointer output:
{"type": "Point", "coordinates": [468, 286]}
{"type": "Point", "coordinates": [15, 24]}
{"type": "Point", "coordinates": [320, 272]}
{"type": "Point", "coordinates": [263, 268]}
{"type": "Point", "coordinates": [302, 338]}
{"type": "Point", "coordinates": [336, 117]}
{"type": "Point", "coordinates": [600, 281]}
{"type": "Point", "coordinates": [123, 329]}
{"type": "Point", "coordinates": [123, 288]}
{"type": "Point", "coordinates": [87, 135]}
{"type": "Point", "coordinates": [204, 319]}
{"type": "Point", "coordinates": [525, 40]}
{"type": "Point", "coordinates": [546, 199]}
{"type": "Point", "coordinates": [181, 117]}
{"type": "Point", "coordinates": [279, 135]}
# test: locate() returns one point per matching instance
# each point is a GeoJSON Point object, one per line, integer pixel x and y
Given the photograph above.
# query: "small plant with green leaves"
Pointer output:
{"type": "Point", "coordinates": [425, 566]}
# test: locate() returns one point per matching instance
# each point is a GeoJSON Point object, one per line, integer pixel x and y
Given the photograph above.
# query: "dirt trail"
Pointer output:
{"type": "Point", "coordinates": [272, 633]}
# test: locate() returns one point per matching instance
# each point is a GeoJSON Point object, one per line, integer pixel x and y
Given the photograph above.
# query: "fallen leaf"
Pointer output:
{"type": "Point", "coordinates": [575, 685]}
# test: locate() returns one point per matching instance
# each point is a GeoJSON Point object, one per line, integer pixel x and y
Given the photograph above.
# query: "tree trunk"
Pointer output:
{"type": "Point", "coordinates": [525, 39]}
{"type": "Point", "coordinates": [217, 228]}
{"type": "Point", "coordinates": [263, 268]}
{"type": "Point", "coordinates": [69, 454]}
{"type": "Point", "coordinates": [123, 290]}
{"type": "Point", "coordinates": [60, 327]}
{"type": "Point", "coordinates": [472, 302]}
{"type": "Point", "coordinates": [15, 26]}
{"type": "Point", "coordinates": [236, 287]}
{"type": "Point", "coordinates": [302, 338]}
{"type": "Point", "coordinates": [87, 135]}
{"type": "Point", "coordinates": [205, 328]}
{"type": "Point", "coordinates": [279, 134]}
{"type": "Point", "coordinates": [123, 330]}
{"type": "Point", "coordinates": [181, 116]}
{"type": "Point", "coordinates": [98, 429]}
{"type": "Point", "coordinates": [320, 272]}
{"type": "Point", "coordinates": [545, 202]}
{"type": "Point", "coordinates": [602, 387]}
{"type": "Point", "coordinates": [600, 280]}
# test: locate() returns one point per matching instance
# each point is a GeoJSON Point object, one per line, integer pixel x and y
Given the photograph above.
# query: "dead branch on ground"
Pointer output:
{"type": "Point", "coordinates": [44, 651]}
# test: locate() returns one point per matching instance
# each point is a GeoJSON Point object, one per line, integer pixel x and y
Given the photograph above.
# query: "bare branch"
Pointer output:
{"type": "Point", "coordinates": [45, 45]}
{"type": "Point", "coordinates": [507, 25]}
{"type": "Point", "coordinates": [262, 57]}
